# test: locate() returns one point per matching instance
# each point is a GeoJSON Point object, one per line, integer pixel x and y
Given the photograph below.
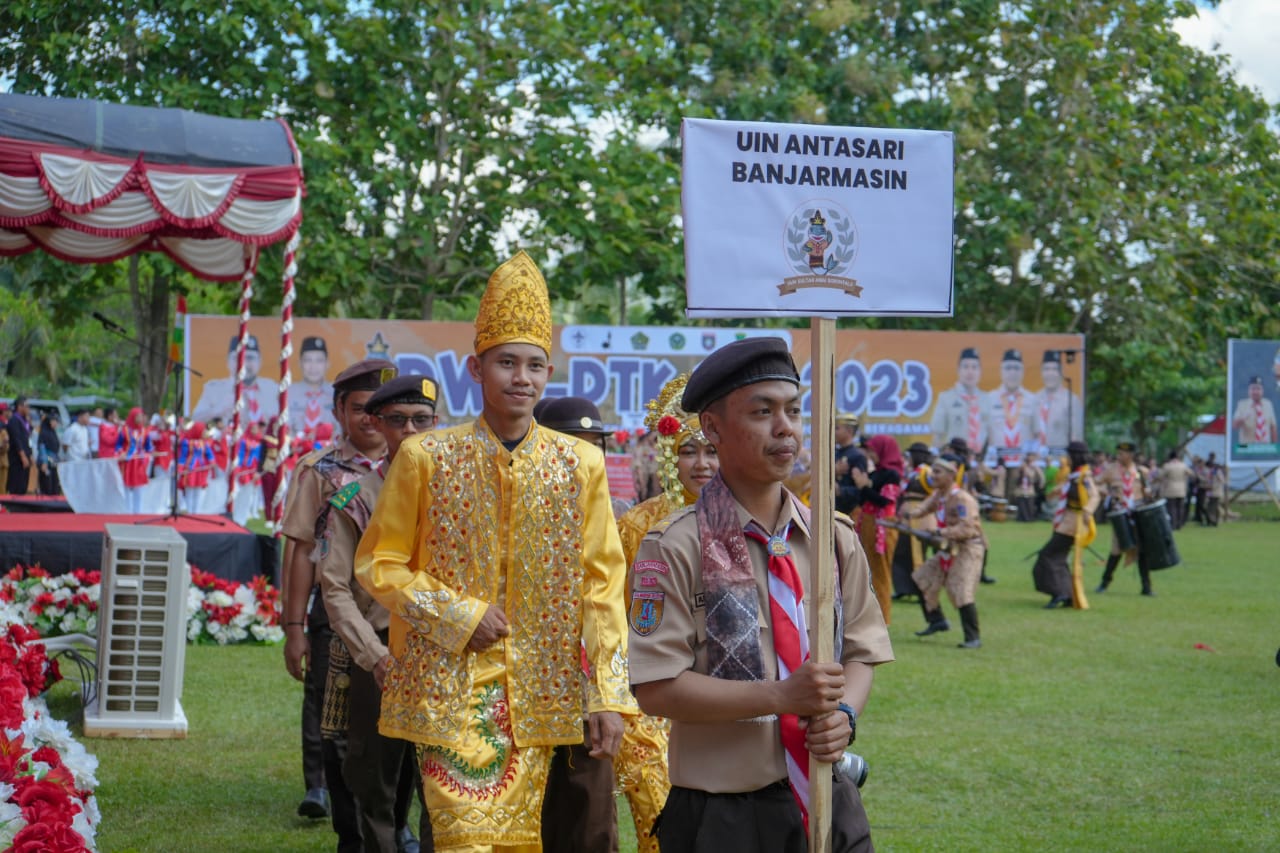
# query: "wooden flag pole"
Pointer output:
{"type": "Point", "coordinates": [822, 554]}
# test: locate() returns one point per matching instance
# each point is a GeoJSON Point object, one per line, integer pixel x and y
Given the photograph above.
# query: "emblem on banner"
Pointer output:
{"type": "Point", "coordinates": [821, 243]}
{"type": "Point", "coordinates": [708, 341]}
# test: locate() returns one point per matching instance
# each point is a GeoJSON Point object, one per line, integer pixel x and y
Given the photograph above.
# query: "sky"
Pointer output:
{"type": "Point", "coordinates": [1246, 30]}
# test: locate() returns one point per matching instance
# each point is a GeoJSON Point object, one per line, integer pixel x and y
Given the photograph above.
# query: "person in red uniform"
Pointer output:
{"type": "Point", "coordinates": [133, 448]}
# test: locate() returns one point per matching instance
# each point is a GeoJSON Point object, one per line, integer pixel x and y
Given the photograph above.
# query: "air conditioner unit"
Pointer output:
{"type": "Point", "coordinates": [142, 634]}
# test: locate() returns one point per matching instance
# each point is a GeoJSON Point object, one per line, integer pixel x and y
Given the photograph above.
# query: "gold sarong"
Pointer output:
{"type": "Point", "coordinates": [487, 792]}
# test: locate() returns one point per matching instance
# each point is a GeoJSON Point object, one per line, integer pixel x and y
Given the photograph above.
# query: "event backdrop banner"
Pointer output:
{"type": "Point", "coordinates": [810, 220]}
{"type": "Point", "coordinates": [1253, 395]}
{"type": "Point", "coordinates": [916, 385]}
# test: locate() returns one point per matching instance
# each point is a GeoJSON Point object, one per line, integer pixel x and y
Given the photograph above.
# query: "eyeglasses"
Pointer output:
{"type": "Point", "coordinates": [398, 421]}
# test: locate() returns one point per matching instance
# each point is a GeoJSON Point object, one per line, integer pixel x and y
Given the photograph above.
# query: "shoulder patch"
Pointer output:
{"type": "Point", "coordinates": [645, 613]}
{"type": "Point", "coordinates": [344, 495]}
{"type": "Point", "coordinates": [661, 527]}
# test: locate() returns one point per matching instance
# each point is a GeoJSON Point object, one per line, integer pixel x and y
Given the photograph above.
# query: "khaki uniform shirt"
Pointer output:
{"type": "Point", "coordinates": [951, 417]}
{"type": "Point", "coordinates": [299, 395]}
{"type": "Point", "coordinates": [353, 614]}
{"type": "Point", "coordinates": [1113, 480]}
{"type": "Point", "coordinates": [1059, 418]}
{"type": "Point", "coordinates": [1011, 420]}
{"type": "Point", "coordinates": [1082, 499]}
{"type": "Point", "coordinates": [1174, 477]}
{"type": "Point", "coordinates": [1245, 419]}
{"type": "Point", "coordinates": [747, 754]}
{"type": "Point", "coordinates": [218, 400]}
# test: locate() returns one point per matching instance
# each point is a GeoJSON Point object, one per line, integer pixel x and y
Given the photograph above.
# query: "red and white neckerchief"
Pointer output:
{"type": "Point", "coordinates": [252, 408]}
{"type": "Point", "coordinates": [315, 409]}
{"type": "Point", "coordinates": [1012, 419]}
{"type": "Point", "coordinates": [975, 417]}
{"type": "Point", "coordinates": [1045, 405]}
{"type": "Point", "coordinates": [1260, 431]}
{"type": "Point", "coordinates": [791, 643]}
{"type": "Point", "coordinates": [944, 557]}
{"type": "Point", "coordinates": [1127, 479]}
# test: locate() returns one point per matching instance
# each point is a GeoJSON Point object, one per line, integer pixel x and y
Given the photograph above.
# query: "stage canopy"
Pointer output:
{"type": "Point", "coordinates": [91, 182]}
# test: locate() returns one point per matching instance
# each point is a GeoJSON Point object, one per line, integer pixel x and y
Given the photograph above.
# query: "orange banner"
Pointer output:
{"type": "Point", "coordinates": [1011, 392]}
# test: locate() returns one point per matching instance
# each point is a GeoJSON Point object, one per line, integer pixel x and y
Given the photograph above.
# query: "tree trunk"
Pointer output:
{"type": "Point", "coordinates": [151, 317]}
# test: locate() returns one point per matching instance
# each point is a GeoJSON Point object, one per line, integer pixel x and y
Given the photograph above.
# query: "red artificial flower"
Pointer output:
{"type": "Point", "coordinates": [12, 692]}
{"type": "Point", "coordinates": [47, 838]}
{"type": "Point", "coordinates": [45, 802]}
{"type": "Point", "coordinates": [48, 755]}
{"type": "Point", "coordinates": [668, 425]}
{"type": "Point", "coordinates": [12, 755]}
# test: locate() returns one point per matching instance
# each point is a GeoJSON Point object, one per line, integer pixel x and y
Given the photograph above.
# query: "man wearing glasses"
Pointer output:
{"type": "Point", "coordinates": [381, 771]}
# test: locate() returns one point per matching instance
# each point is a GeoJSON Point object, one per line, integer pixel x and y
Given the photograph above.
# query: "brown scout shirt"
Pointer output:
{"type": "Point", "coordinates": [744, 755]}
{"type": "Point", "coordinates": [353, 614]}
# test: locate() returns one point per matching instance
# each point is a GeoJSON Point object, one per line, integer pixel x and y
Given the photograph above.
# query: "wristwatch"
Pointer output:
{"type": "Point", "coordinates": [853, 720]}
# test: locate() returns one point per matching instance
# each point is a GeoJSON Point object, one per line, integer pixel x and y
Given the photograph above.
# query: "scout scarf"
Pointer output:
{"type": "Point", "coordinates": [732, 612]}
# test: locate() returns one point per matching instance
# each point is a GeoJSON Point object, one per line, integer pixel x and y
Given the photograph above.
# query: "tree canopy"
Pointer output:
{"type": "Point", "coordinates": [1110, 179]}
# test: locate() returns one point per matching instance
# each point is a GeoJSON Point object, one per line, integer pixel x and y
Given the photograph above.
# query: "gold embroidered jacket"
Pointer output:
{"type": "Point", "coordinates": [461, 523]}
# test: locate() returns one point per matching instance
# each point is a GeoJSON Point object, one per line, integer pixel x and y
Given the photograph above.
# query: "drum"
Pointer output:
{"type": "Point", "coordinates": [1156, 548]}
{"type": "Point", "coordinates": [999, 510]}
{"type": "Point", "coordinates": [1122, 524]}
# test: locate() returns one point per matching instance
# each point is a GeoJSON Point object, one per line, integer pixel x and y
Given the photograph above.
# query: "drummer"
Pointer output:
{"type": "Point", "coordinates": [1127, 486]}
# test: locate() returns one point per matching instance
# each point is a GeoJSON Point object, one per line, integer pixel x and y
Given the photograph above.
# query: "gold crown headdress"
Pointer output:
{"type": "Point", "coordinates": [674, 426]}
{"type": "Point", "coordinates": [515, 307]}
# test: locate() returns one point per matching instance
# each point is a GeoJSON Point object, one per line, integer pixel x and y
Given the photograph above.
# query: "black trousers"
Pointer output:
{"type": "Point", "coordinates": [382, 772]}
{"type": "Point", "coordinates": [579, 811]}
{"type": "Point", "coordinates": [342, 803]}
{"type": "Point", "coordinates": [1051, 573]}
{"type": "Point", "coordinates": [763, 821]}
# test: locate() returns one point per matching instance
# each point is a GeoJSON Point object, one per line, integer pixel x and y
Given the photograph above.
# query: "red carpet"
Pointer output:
{"type": "Point", "coordinates": [64, 541]}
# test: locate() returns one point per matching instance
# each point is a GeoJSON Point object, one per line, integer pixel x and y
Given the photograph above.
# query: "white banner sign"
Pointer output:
{"type": "Point", "coordinates": [808, 220]}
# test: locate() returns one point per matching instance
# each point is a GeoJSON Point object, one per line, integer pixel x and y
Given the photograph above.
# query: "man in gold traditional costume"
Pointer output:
{"type": "Point", "coordinates": [493, 547]}
{"type": "Point", "coordinates": [686, 462]}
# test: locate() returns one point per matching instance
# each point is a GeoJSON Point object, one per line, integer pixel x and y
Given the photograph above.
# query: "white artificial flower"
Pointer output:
{"type": "Point", "coordinates": [218, 598]}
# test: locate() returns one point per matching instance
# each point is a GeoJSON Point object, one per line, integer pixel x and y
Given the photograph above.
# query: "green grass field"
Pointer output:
{"type": "Point", "coordinates": [1097, 730]}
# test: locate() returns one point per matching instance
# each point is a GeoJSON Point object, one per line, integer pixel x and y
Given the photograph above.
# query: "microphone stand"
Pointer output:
{"type": "Point", "coordinates": [173, 368]}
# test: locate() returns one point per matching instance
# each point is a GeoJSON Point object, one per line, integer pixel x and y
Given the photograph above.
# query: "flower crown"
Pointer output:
{"type": "Point", "coordinates": [674, 427]}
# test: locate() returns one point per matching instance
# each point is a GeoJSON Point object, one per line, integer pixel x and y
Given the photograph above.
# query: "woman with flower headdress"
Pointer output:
{"type": "Point", "coordinates": [686, 462]}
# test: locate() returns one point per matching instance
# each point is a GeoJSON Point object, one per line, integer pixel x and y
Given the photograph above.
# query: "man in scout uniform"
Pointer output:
{"type": "Point", "coordinates": [1011, 425]}
{"type": "Point", "coordinates": [381, 772]}
{"type": "Point", "coordinates": [307, 635]}
{"type": "Point", "coordinates": [718, 622]}
{"type": "Point", "coordinates": [959, 566]}
{"type": "Point", "coordinates": [494, 549]}
{"type": "Point", "coordinates": [1254, 419]}
{"type": "Point", "coordinates": [1073, 530]}
{"type": "Point", "coordinates": [309, 400]}
{"type": "Point", "coordinates": [1128, 486]}
{"type": "Point", "coordinates": [261, 395]}
{"type": "Point", "coordinates": [960, 411]}
{"type": "Point", "coordinates": [1059, 413]}
{"type": "Point", "coordinates": [686, 463]}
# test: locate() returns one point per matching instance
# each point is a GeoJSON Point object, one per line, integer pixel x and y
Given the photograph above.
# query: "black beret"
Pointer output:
{"type": "Point", "coordinates": [367, 375]}
{"type": "Point", "coordinates": [1255, 380]}
{"type": "Point", "coordinates": [969, 352]}
{"type": "Point", "coordinates": [959, 444]}
{"type": "Point", "coordinates": [412, 389]}
{"type": "Point", "coordinates": [919, 447]}
{"type": "Point", "coordinates": [733, 366]}
{"type": "Point", "coordinates": [250, 344]}
{"type": "Point", "coordinates": [314, 344]}
{"type": "Point", "coordinates": [1077, 446]}
{"type": "Point", "coordinates": [1012, 355]}
{"type": "Point", "coordinates": [1126, 445]}
{"type": "Point", "coordinates": [570, 414]}
{"type": "Point", "coordinates": [1052, 355]}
